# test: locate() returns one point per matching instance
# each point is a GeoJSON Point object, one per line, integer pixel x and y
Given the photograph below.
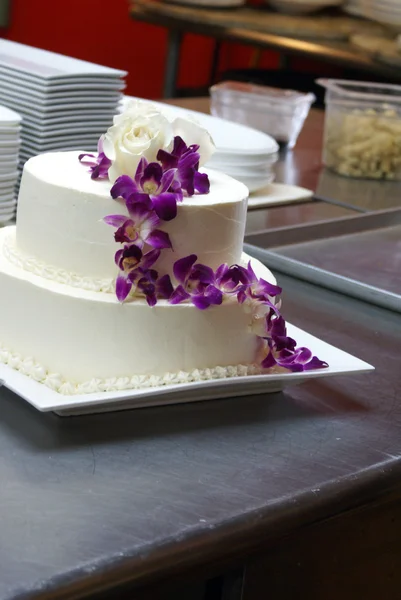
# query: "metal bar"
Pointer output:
{"type": "Point", "coordinates": [172, 63]}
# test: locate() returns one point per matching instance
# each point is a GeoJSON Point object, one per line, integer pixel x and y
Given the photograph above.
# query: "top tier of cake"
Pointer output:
{"type": "Point", "coordinates": [61, 210]}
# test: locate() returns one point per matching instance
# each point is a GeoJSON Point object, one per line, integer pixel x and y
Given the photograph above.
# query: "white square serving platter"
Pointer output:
{"type": "Point", "coordinates": [44, 399]}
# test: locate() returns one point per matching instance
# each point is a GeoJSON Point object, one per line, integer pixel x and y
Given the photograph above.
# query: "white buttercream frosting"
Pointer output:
{"type": "Point", "coordinates": [43, 269]}
{"type": "Point", "coordinates": [28, 366]}
{"type": "Point", "coordinates": [89, 336]}
{"type": "Point", "coordinates": [61, 210]}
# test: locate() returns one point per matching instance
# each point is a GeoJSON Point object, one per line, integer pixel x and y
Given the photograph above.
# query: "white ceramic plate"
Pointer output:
{"type": "Point", "coordinates": [6, 216]}
{"type": "Point", "coordinates": [48, 65]}
{"type": "Point", "coordinates": [44, 399]}
{"type": "Point", "coordinates": [8, 117]}
{"type": "Point", "coordinates": [277, 193]}
{"type": "Point", "coordinates": [9, 176]}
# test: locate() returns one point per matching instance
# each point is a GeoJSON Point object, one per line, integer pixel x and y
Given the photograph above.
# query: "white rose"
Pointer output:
{"type": "Point", "coordinates": [140, 131]}
{"type": "Point", "coordinates": [193, 133]}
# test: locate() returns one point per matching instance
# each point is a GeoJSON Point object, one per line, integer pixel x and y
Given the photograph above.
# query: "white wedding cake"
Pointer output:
{"type": "Point", "coordinates": [166, 296]}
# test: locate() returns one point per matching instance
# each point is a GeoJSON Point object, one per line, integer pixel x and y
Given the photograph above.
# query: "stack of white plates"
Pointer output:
{"type": "Point", "coordinates": [387, 12]}
{"type": "Point", "coordinates": [66, 104]}
{"type": "Point", "coordinates": [10, 127]}
{"type": "Point", "coordinates": [244, 153]}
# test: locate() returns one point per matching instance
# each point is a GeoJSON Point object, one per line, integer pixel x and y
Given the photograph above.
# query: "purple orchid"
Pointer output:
{"type": "Point", "coordinates": [133, 265]}
{"type": "Point", "coordinates": [185, 159]}
{"type": "Point", "coordinates": [231, 280]}
{"type": "Point", "coordinates": [282, 350]}
{"type": "Point", "coordinates": [140, 228]}
{"type": "Point", "coordinates": [196, 283]}
{"type": "Point", "coordinates": [255, 288]}
{"type": "Point", "coordinates": [98, 165]}
{"type": "Point", "coordinates": [154, 288]}
{"type": "Point", "coordinates": [150, 187]}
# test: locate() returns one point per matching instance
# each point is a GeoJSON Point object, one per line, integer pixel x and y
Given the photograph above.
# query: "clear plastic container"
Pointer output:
{"type": "Point", "coordinates": [280, 113]}
{"type": "Point", "coordinates": [362, 131]}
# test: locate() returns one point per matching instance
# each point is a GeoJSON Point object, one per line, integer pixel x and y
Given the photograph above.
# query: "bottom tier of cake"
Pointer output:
{"type": "Point", "coordinates": [76, 340]}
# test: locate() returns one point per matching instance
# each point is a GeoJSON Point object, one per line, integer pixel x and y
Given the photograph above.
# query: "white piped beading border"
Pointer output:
{"type": "Point", "coordinates": [46, 271]}
{"type": "Point", "coordinates": [28, 366]}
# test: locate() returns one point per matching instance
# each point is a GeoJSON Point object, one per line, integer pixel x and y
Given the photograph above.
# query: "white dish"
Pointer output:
{"type": "Point", "coordinates": [230, 138]}
{"type": "Point", "coordinates": [9, 176]}
{"type": "Point", "coordinates": [69, 119]}
{"type": "Point", "coordinates": [65, 128]}
{"type": "Point", "coordinates": [62, 133]}
{"type": "Point", "coordinates": [6, 218]}
{"type": "Point", "coordinates": [265, 170]}
{"type": "Point", "coordinates": [253, 183]}
{"type": "Point", "coordinates": [27, 104]}
{"type": "Point", "coordinates": [7, 168]}
{"type": "Point", "coordinates": [44, 399]}
{"type": "Point", "coordinates": [6, 207]}
{"type": "Point", "coordinates": [44, 94]}
{"type": "Point", "coordinates": [48, 65]}
{"type": "Point", "coordinates": [278, 193]}
{"type": "Point", "coordinates": [8, 117]}
{"type": "Point", "coordinates": [72, 83]}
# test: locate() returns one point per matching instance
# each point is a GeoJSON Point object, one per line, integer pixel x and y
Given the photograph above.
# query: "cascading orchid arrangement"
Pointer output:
{"type": "Point", "coordinates": [152, 171]}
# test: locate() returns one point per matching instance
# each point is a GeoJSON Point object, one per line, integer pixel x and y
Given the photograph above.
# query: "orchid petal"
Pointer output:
{"type": "Point", "coordinates": [201, 182]}
{"type": "Point", "coordinates": [269, 361]}
{"type": "Point", "coordinates": [124, 187]}
{"type": "Point", "coordinates": [139, 198]}
{"type": "Point", "coordinates": [179, 295]}
{"type": "Point", "coordinates": [164, 287]}
{"type": "Point", "coordinates": [165, 206]}
{"type": "Point", "coordinates": [140, 213]}
{"type": "Point", "coordinates": [140, 170]}
{"type": "Point", "coordinates": [118, 256]}
{"type": "Point", "coordinates": [158, 239]}
{"type": "Point", "coordinates": [166, 180]}
{"type": "Point", "coordinates": [168, 161]}
{"type": "Point", "coordinates": [82, 156]}
{"type": "Point", "coordinates": [315, 363]}
{"type": "Point", "coordinates": [179, 146]}
{"type": "Point", "coordinates": [200, 301]}
{"type": "Point", "coordinates": [182, 267]}
{"type": "Point", "coordinates": [115, 220]}
{"type": "Point", "coordinates": [123, 287]}
{"type": "Point", "coordinates": [214, 295]}
{"type": "Point", "coordinates": [189, 160]}
{"type": "Point", "coordinates": [149, 258]}
{"type": "Point", "coordinates": [153, 174]}
{"type": "Point", "coordinates": [202, 273]}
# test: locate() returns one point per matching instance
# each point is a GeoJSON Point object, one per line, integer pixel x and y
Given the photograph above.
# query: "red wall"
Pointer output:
{"type": "Point", "coordinates": [101, 31]}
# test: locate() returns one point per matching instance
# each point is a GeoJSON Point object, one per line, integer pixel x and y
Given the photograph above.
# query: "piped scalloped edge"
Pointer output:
{"type": "Point", "coordinates": [31, 264]}
{"type": "Point", "coordinates": [29, 367]}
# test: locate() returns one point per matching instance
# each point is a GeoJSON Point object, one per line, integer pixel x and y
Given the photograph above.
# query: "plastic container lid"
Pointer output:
{"type": "Point", "coordinates": [250, 91]}
{"type": "Point", "coordinates": [362, 90]}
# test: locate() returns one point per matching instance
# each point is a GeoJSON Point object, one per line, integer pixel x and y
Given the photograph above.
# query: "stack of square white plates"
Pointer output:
{"type": "Point", "coordinates": [10, 127]}
{"type": "Point", "coordinates": [246, 154]}
{"type": "Point", "coordinates": [66, 104]}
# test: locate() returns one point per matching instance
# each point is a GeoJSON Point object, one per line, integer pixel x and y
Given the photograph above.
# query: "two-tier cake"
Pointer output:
{"type": "Point", "coordinates": [126, 268]}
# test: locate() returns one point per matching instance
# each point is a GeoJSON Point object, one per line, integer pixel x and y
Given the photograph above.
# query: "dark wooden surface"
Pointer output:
{"type": "Point", "coordinates": [319, 37]}
{"type": "Point", "coordinates": [222, 499]}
